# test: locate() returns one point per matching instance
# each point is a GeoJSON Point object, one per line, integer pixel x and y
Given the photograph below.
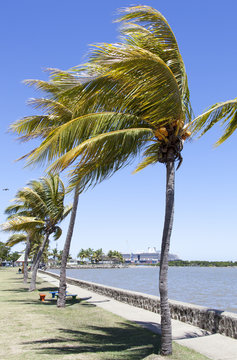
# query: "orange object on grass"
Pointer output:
{"type": "Point", "coordinates": [42, 297]}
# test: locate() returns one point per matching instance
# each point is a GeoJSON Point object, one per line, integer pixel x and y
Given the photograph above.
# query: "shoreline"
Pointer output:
{"type": "Point", "coordinates": [125, 266]}
{"type": "Point", "coordinates": [211, 320]}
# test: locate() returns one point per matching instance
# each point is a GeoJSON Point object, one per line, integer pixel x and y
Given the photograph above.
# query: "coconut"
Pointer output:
{"type": "Point", "coordinates": [186, 135]}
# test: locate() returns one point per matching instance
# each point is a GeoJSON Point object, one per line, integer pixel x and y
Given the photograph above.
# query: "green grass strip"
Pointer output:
{"type": "Point", "coordinates": [31, 329]}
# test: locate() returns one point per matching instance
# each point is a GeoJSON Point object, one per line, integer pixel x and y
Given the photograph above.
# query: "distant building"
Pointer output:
{"type": "Point", "coordinates": [151, 256]}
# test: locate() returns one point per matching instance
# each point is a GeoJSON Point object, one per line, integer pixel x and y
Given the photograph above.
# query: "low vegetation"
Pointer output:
{"type": "Point", "coordinates": [203, 263]}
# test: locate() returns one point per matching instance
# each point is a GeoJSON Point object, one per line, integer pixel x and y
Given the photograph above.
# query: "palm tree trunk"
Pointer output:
{"type": "Point", "coordinates": [62, 283]}
{"type": "Point", "coordinates": [37, 261]}
{"type": "Point", "coordinates": [166, 331]}
{"type": "Point", "coordinates": [27, 250]}
{"type": "Point", "coordinates": [34, 261]}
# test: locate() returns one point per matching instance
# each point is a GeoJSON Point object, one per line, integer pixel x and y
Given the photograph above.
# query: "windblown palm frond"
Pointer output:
{"type": "Point", "coordinates": [156, 36]}
{"type": "Point", "coordinates": [131, 91]}
{"type": "Point", "coordinates": [57, 233]}
{"type": "Point", "coordinates": [21, 223]}
{"type": "Point", "coordinates": [99, 155]}
{"type": "Point", "coordinates": [50, 106]}
{"type": "Point", "coordinates": [226, 112]}
{"type": "Point", "coordinates": [38, 126]}
{"type": "Point", "coordinates": [46, 86]}
{"type": "Point", "coordinates": [16, 239]}
{"type": "Point", "coordinates": [71, 134]}
{"type": "Point", "coordinates": [146, 81]}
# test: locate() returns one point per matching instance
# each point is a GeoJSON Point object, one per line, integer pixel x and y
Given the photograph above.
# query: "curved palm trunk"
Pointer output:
{"type": "Point", "coordinates": [27, 250]}
{"type": "Point", "coordinates": [62, 283]}
{"type": "Point", "coordinates": [36, 264]}
{"type": "Point", "coordinates": [34, 261]}
{"type": "Point", "coordinates": [166, 331]}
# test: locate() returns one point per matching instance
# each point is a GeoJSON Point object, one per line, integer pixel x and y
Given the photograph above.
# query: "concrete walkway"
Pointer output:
{"type": "Point", "coordinates": [214, 346]}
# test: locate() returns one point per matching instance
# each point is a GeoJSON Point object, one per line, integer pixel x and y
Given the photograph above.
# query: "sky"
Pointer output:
{"type": "Point", "coordinates": [126, 212]}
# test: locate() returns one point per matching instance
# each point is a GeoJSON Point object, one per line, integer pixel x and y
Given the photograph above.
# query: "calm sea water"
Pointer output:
{"type": "Point", "coordinates": [215, 288]}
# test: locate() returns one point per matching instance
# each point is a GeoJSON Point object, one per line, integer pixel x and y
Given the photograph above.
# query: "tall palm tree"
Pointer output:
{"type": "Point", "coordinates": [58, 109]}
{"type": "Point", "coordinates": [44, 201]}
{"type": "Point", "coordinates": [137, 101]}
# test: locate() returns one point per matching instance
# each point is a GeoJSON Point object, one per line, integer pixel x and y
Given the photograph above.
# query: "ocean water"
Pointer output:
{"type": "Point", "coordinates": [215, 288]}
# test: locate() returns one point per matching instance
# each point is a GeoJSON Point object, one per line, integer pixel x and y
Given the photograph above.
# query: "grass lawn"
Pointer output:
{"type": "Point", "coordinates": [31, 329]}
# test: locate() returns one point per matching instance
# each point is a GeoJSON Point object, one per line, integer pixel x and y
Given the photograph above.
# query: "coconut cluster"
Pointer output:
{"type": "Point", "coordinates": [177, 128]}
{"type": "Point", "coordinates": [171, 136]}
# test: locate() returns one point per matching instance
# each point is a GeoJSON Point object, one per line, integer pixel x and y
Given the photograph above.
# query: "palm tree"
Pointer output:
{"type": "Point", "coordinates": [43, 199]}
{"type": "Point", "coordinates": [89, 254]}
{"type": "Point", "coordinates": [136, 101]}
{"type": "Point", "coordinates": [58, 111]}
{"type": "Point", "coordinates": [97, 255]}
{"type": "Point", "coordinates": [82, 254]}
{"type": "Point", "coordinates": [115, 255]}
{"type": "Point", "coordinates": [20, 207]}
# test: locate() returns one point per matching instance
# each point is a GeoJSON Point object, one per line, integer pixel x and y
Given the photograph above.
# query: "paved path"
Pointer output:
{"type": "Point", "coordinates": [214, 346]}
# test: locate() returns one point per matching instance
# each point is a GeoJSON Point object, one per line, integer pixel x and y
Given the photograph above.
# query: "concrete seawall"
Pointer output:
{"type": "Point", "coordinates": [215, 321]}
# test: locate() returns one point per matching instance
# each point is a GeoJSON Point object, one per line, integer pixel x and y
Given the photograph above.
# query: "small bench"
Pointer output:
{"type": "Point", "coordinates": [54, 293]}
{"type": "Point", "coordinates": [74, 296]}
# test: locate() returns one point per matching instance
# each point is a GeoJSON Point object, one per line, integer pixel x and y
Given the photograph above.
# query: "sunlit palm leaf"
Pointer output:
{"type": "Point", "coordinates": [226, 112]}
{"type": "Point", "coordinates": [21, 223]}
{"type": "Point", "coordinates": [48, 87]}
{"type": "Point", "coordinates": [155, 22]}
{"type": "Point", "coordinates": [16, 239]}
{"type": "Point", "coordinates": [86, 126]}
{"type": "Point", "coordinates": [50, 106]}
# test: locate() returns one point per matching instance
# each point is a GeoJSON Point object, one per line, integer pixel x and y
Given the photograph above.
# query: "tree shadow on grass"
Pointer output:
{"type": "Point", "coordinates": [127, 341]}
{"type": "Point", "coordinates": [51, 302]}
{"type": "Point", "coordinates": [48, 288]}
{"type": "Point", "coordinates": [19, 290]}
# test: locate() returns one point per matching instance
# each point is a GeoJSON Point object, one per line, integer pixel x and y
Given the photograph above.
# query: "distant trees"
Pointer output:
{"type": "Point", "coordinates": [115, 255]}
{"type": "Point", "coordinates": [95, 256]}
{"type": "Point", "coordinates": [6, 254]}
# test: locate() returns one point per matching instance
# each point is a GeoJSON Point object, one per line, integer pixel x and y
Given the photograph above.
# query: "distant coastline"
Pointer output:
{"type": "Point", "coordinates": [201, 263]}
{"type": "Point", "coordinates": [178, 263]}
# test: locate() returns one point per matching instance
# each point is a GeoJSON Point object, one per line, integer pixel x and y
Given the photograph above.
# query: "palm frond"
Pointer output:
{"type": "Point", "coordinates": [16, 239]}
{"type": "Point", "coordinates": [103, 155]}
{"type": "Point", "coordinates": [50, 106]}
{"type": "Point", "coordinates": [67, 211]}
{"type": "Point", "coordinates": [38, 126]}
{"type": "Point", "coordinates": [146, 81]}
{"type": "Point", "coordinates": [223, 111]}
{"type": "Point", "coordinates": [155, 22]}
{"type": "Point", "coordinates": [46, 86]}
{"type": "Point", "coordinates": [21, 223]}
{"type": "Point", "coordinates": [57, 232]}
{"type": "Point", "coordinates": [75, 131]}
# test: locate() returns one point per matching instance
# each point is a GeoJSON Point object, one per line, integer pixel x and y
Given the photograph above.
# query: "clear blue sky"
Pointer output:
{"type": "Point", "coordinates": [126, 212]}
